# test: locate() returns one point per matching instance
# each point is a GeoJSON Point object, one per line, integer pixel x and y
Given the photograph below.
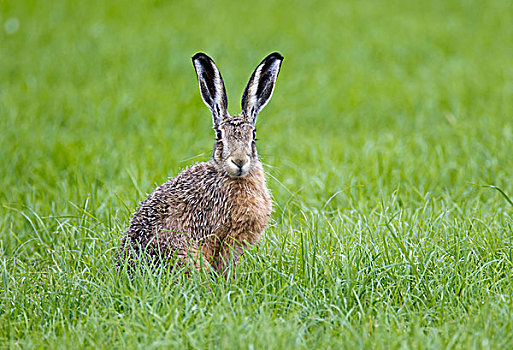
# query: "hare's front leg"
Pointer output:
{"type": "Point", "coordinates": [229, 253]}
{"type": "Point", "coordinates": [178, 246]}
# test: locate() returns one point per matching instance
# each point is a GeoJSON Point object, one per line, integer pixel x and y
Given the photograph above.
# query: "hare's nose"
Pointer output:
{"type": "Point", "coordinates": [239, 162]}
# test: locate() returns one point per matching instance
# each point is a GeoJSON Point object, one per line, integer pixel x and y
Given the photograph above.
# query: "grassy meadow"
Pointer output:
{"type": "Point", "coordinates": [388, 147]}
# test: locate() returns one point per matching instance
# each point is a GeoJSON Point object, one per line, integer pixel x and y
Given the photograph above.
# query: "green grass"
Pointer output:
{"type": "Point", "coordinates": [387, 119]}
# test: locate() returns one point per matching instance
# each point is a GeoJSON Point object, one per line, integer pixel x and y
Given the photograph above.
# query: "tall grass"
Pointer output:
{"type": "Point", "coordinates": [387, 147]}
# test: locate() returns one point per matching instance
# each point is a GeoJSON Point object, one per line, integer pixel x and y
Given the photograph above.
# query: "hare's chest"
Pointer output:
{"type": "Point", "coordinates": [249, 213]}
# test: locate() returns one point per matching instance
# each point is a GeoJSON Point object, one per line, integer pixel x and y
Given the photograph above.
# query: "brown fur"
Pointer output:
{"type": "Point", "coordinates": [202, 213]}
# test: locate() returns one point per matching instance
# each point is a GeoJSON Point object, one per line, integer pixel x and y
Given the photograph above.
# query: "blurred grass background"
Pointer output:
{"type": "Point", "coordinates": [385, 115]}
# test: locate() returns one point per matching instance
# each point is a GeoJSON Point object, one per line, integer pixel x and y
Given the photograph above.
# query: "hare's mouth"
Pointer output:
{"type": "Point", "coordinates": [238, 174]}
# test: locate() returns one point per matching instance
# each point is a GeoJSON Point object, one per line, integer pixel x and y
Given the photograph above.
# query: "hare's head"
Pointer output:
{"type": "Point", "coordinates": [235, 151]}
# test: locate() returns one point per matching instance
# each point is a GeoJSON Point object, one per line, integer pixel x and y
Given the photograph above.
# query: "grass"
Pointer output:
{"type": "Point", "coordinates": [388, 119]}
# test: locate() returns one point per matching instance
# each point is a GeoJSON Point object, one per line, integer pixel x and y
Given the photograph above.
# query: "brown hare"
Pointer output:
{"type": "Point", "coordinates": [208, 214]}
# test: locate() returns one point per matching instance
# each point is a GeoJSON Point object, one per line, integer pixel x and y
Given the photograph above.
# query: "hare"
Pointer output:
{"type": "Point", "coordinates": [208, 214]}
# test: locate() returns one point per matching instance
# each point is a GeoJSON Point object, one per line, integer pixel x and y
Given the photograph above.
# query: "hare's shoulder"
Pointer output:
{"type": "Point", "coordinates": [199, 177]}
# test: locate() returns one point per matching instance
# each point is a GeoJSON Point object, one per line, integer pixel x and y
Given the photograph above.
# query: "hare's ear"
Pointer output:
{"type": "Point", "coordinates": [260, 86]}
{"type": "Point", "coordinates": [211, 86]}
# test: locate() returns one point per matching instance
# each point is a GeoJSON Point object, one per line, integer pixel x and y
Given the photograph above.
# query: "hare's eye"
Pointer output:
{"type": "Point", "coordinates": [219, 134]}
{"type": "Point", "coordinates": [254, 134]}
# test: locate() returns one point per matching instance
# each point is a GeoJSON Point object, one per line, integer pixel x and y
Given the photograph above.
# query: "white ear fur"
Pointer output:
{"type": "Point", "coordinates": [211, 86]}
{"type": "Point", "coordinates": [260, 87]}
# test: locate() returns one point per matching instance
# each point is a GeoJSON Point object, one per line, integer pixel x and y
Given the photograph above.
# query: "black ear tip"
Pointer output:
{"type": "Point", "coordinates": [200, 56]}
{"type": "Point", "coordinates": [276, 56]}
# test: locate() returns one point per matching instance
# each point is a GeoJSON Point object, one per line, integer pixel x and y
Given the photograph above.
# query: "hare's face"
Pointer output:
{"type": "Point", "coordinates": [235, 150]}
